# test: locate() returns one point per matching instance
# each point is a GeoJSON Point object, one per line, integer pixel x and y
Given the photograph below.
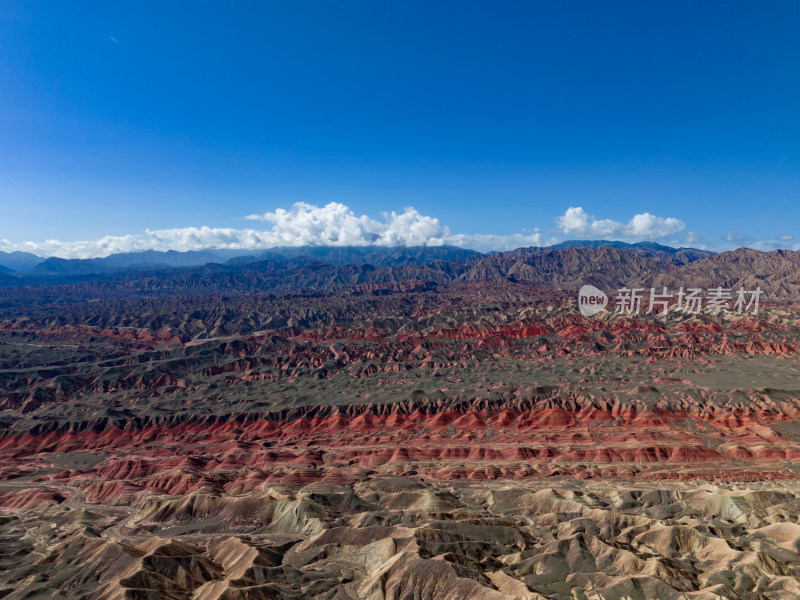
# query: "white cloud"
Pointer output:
{"type": "Point", "coordinates": [487, 242]}
{"type": "Point", "coordinates": [302, 225]}
{"type": "Point", "coordinates": [335, 224]}
{"type": "Point", "coordinates": [732, 241]}
{"type": "Point", "coordinates": [694, 239]}
{"type": "Point", "coordinates": [734, 237]}
{"type": "Point", "coordinates": [576, 222]}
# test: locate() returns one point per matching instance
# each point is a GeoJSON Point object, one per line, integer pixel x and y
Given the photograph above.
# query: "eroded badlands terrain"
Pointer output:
{"type": "Point", "coordinates": [404, 440]}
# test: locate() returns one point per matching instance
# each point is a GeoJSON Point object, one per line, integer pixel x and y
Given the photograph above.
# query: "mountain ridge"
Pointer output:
{"type": "Point", "coordinates": [379, 256]}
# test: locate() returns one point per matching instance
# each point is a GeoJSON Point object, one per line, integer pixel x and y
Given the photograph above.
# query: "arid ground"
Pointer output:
{"type": "Point", "coordinates": [455, 430]}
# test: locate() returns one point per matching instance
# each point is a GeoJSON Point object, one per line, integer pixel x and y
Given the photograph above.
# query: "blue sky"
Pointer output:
{"type": "Point", "coordinates": [118, 120]}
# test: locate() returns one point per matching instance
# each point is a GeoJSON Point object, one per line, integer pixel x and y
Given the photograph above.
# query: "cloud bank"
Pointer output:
{"type": "Point", "coordinates": [578, 223]}
{"type": "Point", "coordinates": [335, 224]}
{"type": "Point", "coordinates": [732, 241]}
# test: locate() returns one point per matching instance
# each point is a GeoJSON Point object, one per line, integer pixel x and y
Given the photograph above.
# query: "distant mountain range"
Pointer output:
{"type": "Point", "coordinates": [149, 259]}
{"type": "Point", "coordinates": [387, 270]}
{"type": "Point", "coordinates": [19, 261]}
{"type": "Point", "coordinates": [679, 256]}
{"type": "Point", "coordinates": [29, 267]}
{"type": "Point", "coordinates": [377, 256]}
{"type": "Point", "coordinates": [567, 266]}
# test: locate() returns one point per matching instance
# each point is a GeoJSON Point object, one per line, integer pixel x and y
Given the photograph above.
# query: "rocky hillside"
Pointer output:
{"type": "Point", "coordinates": [285, 428]}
